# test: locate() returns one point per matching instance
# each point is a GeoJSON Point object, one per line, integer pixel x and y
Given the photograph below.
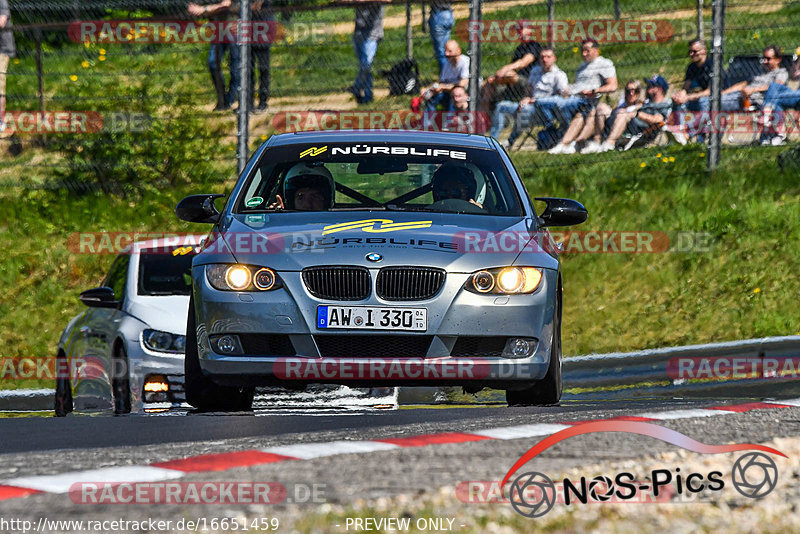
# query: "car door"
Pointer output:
{"type": "Point", "coordinates": [99, 332]}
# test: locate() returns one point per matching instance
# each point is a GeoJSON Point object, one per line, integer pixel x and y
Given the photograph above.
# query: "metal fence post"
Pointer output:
{"type": "Point", "coordinates": [699, 19]}
{"type": "Point", "coordinates": [550, 17]}
{"type": "Point", "coordinates": [617, 12]}
{"type": "Point", "coordinates": [409, 42]}
{"type": "Point", "coordinates": [717, 55]}
{"type": "Point", "coordinates": [474, 58]}
{"type": "Point", "coordinates": [244, 34]}
{"type": "Point", "coordinates": [37, 34]}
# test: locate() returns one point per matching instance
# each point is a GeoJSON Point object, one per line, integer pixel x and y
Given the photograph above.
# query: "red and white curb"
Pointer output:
{"type": "Point", "coordinates": [173, 469]}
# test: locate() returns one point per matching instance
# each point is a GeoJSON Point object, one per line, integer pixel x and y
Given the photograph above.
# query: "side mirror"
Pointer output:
{"type": "Point", "coordinates": [562, 212]}
{"type": "Point", "coordinates": [198, 208]}
{"type": "Point", "coordinates": [99, 297]}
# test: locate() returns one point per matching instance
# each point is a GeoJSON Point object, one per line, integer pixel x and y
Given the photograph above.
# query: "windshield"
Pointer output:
{"type": "Point", "coordinates": [165, 274]}
{"type": "Point", "coordinates": [383, 176]}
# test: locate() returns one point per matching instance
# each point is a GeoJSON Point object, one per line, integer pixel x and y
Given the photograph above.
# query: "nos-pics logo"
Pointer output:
{"type": "Point", "coordinates": [534, 494]}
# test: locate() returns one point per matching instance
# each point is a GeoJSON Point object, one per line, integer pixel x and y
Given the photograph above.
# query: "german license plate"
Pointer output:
{"type": "Point", "coordinates": [372, 318]}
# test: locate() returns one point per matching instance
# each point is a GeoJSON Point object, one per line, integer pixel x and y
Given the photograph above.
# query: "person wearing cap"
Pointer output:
{"type": "Point", "coordinates": [453, 182]}
{"type": "Point", "coordinates": [637, 119]}
{"type": "Point", "coordinates": [306, 188]}
{"type": "Point", "coordinates": [600, 119]}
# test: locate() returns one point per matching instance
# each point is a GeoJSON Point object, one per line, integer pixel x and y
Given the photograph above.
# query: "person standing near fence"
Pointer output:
{"type": "Point", "coordinates": [223, 11]}
{"type": "Point", "coordinates": [440, 23]}
{"type": "Point", "coordinates": [260, 54]}
{"type": "Point", "coordinates": [368, 33]}
{"type": "Point", "coordinates": [7, 50]}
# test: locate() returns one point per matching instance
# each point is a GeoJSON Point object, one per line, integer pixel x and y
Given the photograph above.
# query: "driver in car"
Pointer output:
{"type": "Point", "coordinates": [306, 188]}
{"type": "Point", "coordinates": [454, 182]}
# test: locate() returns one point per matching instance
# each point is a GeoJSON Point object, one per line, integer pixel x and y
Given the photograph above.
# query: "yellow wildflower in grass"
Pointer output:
{"type": "Point", "coordinates": [102, 51]}
{"type": "Point", "coordinates": [85, 64]}
{"type": "Point", "coordinates": [264, 137]}
{"type": "Point", "coordinates": [87, 44]}
{"type": "Point", "coordinates": [102, 58]}
{"type": "Point", "coordinates": [16, 61]}
{"type": "Point", "coordinates": [658, 155]}
{"type": "Point", "coordinates": [672, 159]}
{"type": "Point", "coordinates": [643, 165]}
{"type": "Point", "coordinates": [755, 36]}
{"type": "Point", "coordinates": [665, 160]}
{"type": "Point", "coordinates": [702, 154]}
{"type": "Point", "coordinates": [575, 49]}
{"type": "Point", "coordinates": [73, 77]}
{"type": "Point", "coordinates": [757, 290]}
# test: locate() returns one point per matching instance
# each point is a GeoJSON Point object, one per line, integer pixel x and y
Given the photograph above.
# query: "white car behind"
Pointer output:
{"type": "Point", "coordinates": [125, 351]}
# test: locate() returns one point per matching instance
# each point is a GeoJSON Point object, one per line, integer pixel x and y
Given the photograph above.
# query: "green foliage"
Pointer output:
{"type": "Point", "coordinates": [145, 148]}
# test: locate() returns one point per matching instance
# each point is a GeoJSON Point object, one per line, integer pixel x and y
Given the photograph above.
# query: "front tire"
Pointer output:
{"type": "Point", "coordinates": [120, 385]}
{"type": "Point", "coordinates": [201, 391]}
{"type": "Point", "coordinates": [63, 398]}
{"type": "Point", "coordinates": [547, 391]}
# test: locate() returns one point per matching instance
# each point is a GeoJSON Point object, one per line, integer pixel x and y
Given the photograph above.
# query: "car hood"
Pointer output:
{"type": "Point", "coordinates": [455, 242]}
{"type": "Point", "coordinates": [166, 313]}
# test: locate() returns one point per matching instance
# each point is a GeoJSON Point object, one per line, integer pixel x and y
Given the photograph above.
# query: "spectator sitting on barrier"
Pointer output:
{"type": "Point", "coordinates": [598, 122]}
{"type": "Point", "coordinates": [544, 80]}
{"type": "Point", "coordinates": [460, 99]}
{"type": "Point", "coordinates": [368, 33]}
{"type": "Point", "coordinates": [513, 76]}
{"type": "Point", "coordinates": [223, 11]}
{"type": "Point", "coordinates": [777, 98]}
{"type": "Point", "coordinates": [749, 93]}
{"type": "Point", "coordinates": [639, 118]}
{"type": "Point", "coordinates": [694, 96]}
{"type": "Point", "coordinates": [7, 50]}
{"type": "Point", "coordinates": [596, 76]}
{"type": "Point", "coordinates": [455, 72]}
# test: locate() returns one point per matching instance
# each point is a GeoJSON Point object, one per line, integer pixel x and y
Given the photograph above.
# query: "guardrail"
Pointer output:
{"type": "Point", "coordinates": [645, 372]}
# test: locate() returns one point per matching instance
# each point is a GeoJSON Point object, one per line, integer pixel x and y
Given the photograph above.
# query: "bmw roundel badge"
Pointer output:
{"type": "Point", "coordinates": [374, 257]}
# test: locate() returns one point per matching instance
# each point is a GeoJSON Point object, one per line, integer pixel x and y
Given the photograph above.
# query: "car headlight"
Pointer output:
{"type": "Point", "coordinates": [235, 277]}
{"type": "Point", "coordinates": [505, 281]}
{"type": "Point", "coordinates": [159, 341]}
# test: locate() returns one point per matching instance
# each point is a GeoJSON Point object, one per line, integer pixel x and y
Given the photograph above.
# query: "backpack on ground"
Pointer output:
{"type": "Point", "coordinates": [403, 77]}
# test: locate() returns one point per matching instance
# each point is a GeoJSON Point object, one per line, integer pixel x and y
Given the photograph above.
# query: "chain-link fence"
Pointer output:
{"type": "Point", "coordinates": [125, 92]}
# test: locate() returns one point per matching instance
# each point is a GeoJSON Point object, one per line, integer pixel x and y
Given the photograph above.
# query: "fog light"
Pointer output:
{"type": "Point", "coordinates": [519, 347]}
{"type": "Point", "coordinates": [156, 389]}
{"type": "Point", "coordinates": [227, 344]}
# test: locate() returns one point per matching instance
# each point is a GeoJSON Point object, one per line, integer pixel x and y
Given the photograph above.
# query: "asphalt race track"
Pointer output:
{"type": "Point", "coordinates": [361, 455]}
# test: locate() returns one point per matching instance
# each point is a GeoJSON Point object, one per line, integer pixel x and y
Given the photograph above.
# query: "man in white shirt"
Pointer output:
{"type": "Point", "coordinates": [544, 80]}
{"type": "Point", "coordinates": [455, 72]}
{"type": "Point", "coordinates": [596, 76]}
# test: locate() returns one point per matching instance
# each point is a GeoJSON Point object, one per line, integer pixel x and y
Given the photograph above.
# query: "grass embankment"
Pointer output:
{"type": "Point", "coordinates": [745, 286]}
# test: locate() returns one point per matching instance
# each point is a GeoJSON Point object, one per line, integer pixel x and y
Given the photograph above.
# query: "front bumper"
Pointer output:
{"type": "Point", "coordinates": [305, 354]}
